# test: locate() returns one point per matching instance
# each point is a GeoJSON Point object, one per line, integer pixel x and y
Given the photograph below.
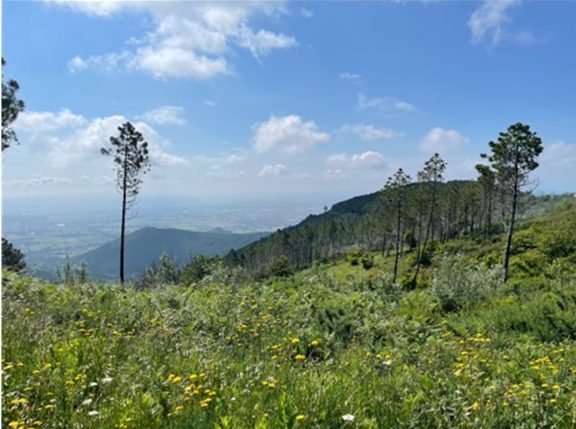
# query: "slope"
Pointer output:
{"type": "Point", "coordinates": [145, 246]}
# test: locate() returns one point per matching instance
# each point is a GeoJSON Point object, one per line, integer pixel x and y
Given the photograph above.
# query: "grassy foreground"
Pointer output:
{"type": "Point", "coordinates": [331, 347]}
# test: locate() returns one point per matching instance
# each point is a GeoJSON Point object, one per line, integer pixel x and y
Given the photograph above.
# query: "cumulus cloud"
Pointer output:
{"type": "Point", "coordinates": [190, 39]}
{"type": "Point", "coordinates": [69, 138]}
{"type": "Point", "coordinates": [386, 104]}
{"type": "Point", "coordinates": [95, 8]}
{"type": "Point", "coordinates": [165, 115]}
{"type": "Point", "coordinates": [489, 21]}
{"type": "Point", "coordinates": [369, 132]}
{"type": "Point", "coordinates": [557, 167]}
{"type": "Point", "coordinates": [442, 140]}
{"type": "Point", "coordinates": [38, 122]}
{"type": "Point", "coordinates": [368, 159]}
{"type": "Point", "coordinates": [273, 170]}
{"type": "Point", "coordinates": [290, 134]}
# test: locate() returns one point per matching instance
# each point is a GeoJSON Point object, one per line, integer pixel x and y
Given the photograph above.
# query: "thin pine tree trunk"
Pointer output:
{"type": "Point", "coordinates": [396, 256]}
{"type": "Point", "coordinates": [123, 224]}
{"type": "Point", "coordinates": [510, 231]}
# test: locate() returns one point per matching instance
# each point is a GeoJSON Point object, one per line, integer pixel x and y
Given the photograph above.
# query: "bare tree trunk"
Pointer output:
{"type": "Point", "coordinates": [399, 211]}
{"type": "Point", "coordinates": [510, 231]}
{"type": "Point", "coordinates": [123, 224]}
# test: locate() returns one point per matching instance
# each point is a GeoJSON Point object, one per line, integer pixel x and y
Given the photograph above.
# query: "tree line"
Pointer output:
{"type": "Point", "coordinates": [409, 215]}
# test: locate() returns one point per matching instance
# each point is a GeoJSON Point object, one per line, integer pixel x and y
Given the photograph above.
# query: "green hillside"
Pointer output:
{"type": "Point", "coordinates": [334, 346]}
{"type": "Point", "coordinates": [367, 222]}
{"type": "Point", "coordinates": [144, 246]}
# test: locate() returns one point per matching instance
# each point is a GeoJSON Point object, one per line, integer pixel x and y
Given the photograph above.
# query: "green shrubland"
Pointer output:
{"type": "Point", "coordinates": [338, 345]}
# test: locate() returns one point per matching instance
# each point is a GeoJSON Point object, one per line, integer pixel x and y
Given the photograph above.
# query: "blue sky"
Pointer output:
{"type": "Point", "coordinates": [284, 98]}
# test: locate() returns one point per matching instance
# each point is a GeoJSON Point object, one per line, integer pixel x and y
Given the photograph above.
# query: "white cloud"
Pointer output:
{"type": "Point", "coordinates": [273, 170]}
{"type": "Point", "coordinates": [262, 42]}
{"type": "Point", "coordinates": [368, 159]}
{"type": "Point", "coordinates": [441, 140]}
{"type": "Point", "coordinates": [489, 22]}
{"type": "Point", "coordinates": [288, 133]}
{"type": "Point", "coordinates": [351, 77]}
{"type": "Point", "coordinates": [165, 115]}
{"type": "Point", "coordinates": [306, 13]}
{"type": "Point", "coordinates": [108, 62]}
{"type": "Point", "coordinates": [190, 39]}
{"type": "Point", "coordinates": [557, 167]}
{"type": "Point", "coordinates": [209, 103]}
{"type": "Point", "coordinates": [335, 174]}
{"type": "Point", "coordinates": [175, 62]}
{"type": "Point", "coordinates": [96, 8]}
{"type": "Point", "coordinates": [68, 138]}
{"type": "Point", "coordinates": [387, 104]}
{"type": "Point", "coordinates": [39, 181]}
{"type": "Point", "coordinates": [38, 122]}
{"type": "Point", "coordinates": [369, 132]}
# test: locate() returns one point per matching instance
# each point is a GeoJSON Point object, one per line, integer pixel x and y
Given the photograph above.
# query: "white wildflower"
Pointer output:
{"type": "Point", "coordinates": [107, 380]}
{"type": "Point", "coordinates": [93, 413]}
{"type": "Point", "coordinates": [87, 402]}
{"type": "Point", "coordinates": [348, 417]}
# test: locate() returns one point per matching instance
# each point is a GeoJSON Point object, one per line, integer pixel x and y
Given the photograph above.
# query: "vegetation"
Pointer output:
{"type": "Point", "coordinates": [12, 258]}
{"type": "Point", "coordinates": [513, 157]}
{"type": "Point", "coordinates": [333, 346]}
{"type": "Point", "coordinates": [145, 246]}
{"type": "Point", "coordinates": [11, 108]}
{"type": "Point", "coordinates": [131, 161]}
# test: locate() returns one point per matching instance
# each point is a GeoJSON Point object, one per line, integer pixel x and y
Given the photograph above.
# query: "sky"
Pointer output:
{"type": "Point", "coordinates": [282, 99]}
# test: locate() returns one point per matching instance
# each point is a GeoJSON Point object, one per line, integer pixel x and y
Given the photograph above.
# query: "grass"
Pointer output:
{"type": "Point", "coordinates": [309, 351]}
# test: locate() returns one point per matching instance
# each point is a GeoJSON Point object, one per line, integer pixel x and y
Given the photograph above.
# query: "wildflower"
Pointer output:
{"type": "Point", "coordinates": [107, 380]}
{"type": "Point", "coordinates": [87, 402]}
{"type": "Point", "coordinates": [93, 384]}
{"type": "Point", "coordinates": [93, 413]}
{"type": "Point", "coordinates": [295, 340]}
{"type": "Point", "coordinates": [299, 357]}
{"type": "Point", "coordinates": [348, 417]}
{"type": "Point", "coordinates": [314, 343]}
{"type": "Point", "coordinates": [300, 417]}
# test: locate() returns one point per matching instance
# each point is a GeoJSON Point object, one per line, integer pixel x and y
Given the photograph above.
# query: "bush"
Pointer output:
{"type": "Point", "coordinates": [280, 267]}
{"type": "Point", "coordinates": [198, 268]}
{"type": "Point", "coordinates": [354, 256]}
{"type": "Point", "coordinates": [367, 261]}
{"type": "Point", "coordinates": [12, 258]}
{"type": "Point", "coordinates": [164, 272]}
{"type": "Point", "coordinates": [458, 283]}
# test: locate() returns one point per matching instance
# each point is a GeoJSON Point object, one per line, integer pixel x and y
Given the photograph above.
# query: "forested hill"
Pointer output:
{"type": "Point", "coordinates": [145, 246]}
{"type": "Point", "coordinates": [460, 208]}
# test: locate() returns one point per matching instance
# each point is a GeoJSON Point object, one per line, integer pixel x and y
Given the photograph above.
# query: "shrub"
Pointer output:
{"type": "Point", "coordinates": [12, 258]}
{"type": "Point", "coordinates": [198, 268]}
{"type": "Point", "coordinates": [354, 256]}
{"type": "Point", "coordinates": [458, 283]}
{"type": "Point", "coordinates": [367, 261]}
{"type": "Point", "coordinates": [280, 267]}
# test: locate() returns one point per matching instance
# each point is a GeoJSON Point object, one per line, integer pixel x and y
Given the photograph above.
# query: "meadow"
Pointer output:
{"type": "Point", "coordinates": [334, 346]}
